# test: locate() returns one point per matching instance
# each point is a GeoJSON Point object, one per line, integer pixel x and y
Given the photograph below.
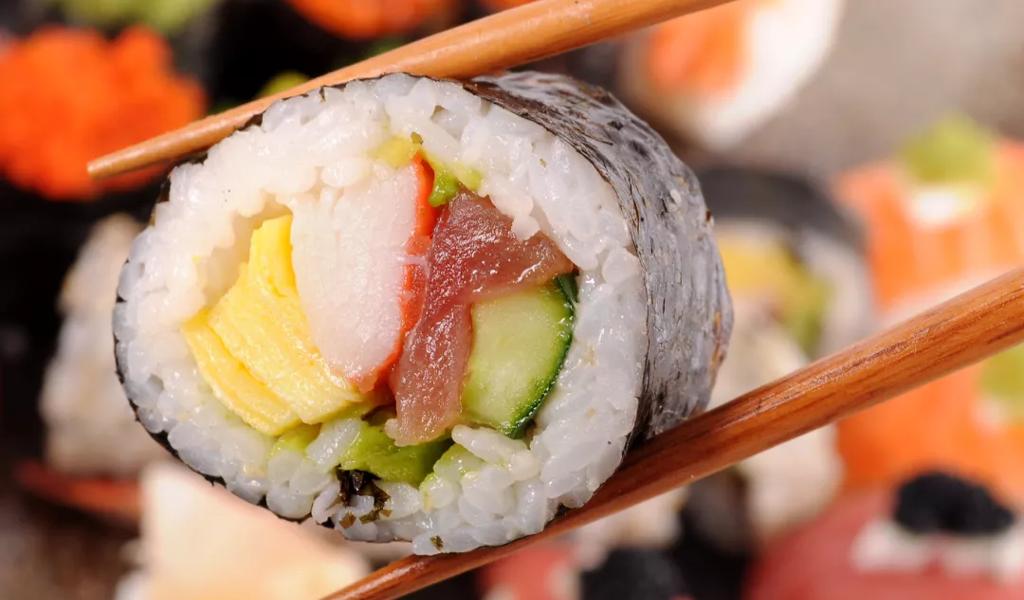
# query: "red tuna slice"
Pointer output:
{"type": "Point", "coordinates": [474, 256]}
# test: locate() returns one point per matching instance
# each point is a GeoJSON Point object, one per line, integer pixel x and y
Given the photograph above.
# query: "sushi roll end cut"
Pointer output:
{"type": "Point", "coordinates": [424, 310]}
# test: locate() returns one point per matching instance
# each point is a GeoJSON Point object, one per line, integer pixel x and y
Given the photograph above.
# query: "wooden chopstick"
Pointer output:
{"type": "Point", "coordinates": [501, 41]}
{"type": "Point", "coordinates": [974, 325]}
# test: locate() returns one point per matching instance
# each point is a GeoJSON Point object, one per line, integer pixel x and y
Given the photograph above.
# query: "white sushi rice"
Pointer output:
{"type": "Point", "coordinates": [306, 145]}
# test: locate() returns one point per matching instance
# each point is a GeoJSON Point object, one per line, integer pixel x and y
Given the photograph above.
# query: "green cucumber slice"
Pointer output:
{"type": "Point", "coordinates": [519, 344]}
{"type": "Point", "coordinates": [374, 452]}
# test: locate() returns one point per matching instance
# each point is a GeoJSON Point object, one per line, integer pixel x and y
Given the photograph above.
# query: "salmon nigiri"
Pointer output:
{"type": "Point", "coordinates": [715, 75]}
{"type": "Point", "coordinates": [948, 213]}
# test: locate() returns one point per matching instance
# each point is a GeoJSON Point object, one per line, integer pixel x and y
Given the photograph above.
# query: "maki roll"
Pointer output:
{"type": "Point", "coordinates": [425, 310]}
{"type": "Point", "coordinates": [90, 429]}
{"type": "Point", "coordinates": [714, 76]}
{"type": "Point", "coordinates": [246, 552]}
{"type": "Point", "coordinates": [800, 287]}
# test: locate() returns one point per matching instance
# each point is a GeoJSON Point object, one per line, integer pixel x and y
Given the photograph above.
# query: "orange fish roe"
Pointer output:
{"type": "Point", "coordinates": [364, 19]}
{"type": "Point", "coordinates": [69, 95]}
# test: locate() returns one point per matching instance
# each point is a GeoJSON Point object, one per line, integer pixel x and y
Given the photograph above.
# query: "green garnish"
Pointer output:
{"type": "Point", "coordinates": [382, 45]}
{"type": "Point", "coordinates": [445, 186]}
{"type": "Point", "coordinates": [281, 82]}
{"type": "Point", "coordinates": [804, 318]}
{"type": "Point", "coordinates": [167, 16]}
{"type": "Point", "coordinates": [954, 150]}
{"type": "Point", "coordinates": [1002, 380]}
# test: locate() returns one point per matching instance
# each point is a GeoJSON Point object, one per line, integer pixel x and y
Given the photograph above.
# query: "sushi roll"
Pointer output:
{"type": "Point", "coordinates": [246, 552]}
{"type": "Point", "coordinates": [944, 214]}
{"type": "Point", "coordinates": [941, 215]}
{"type": "Point", "coordinates": [714, 76]}
{"type": "Point", "coordinates": [795, 267]}
{"type": "Point", "coordinates": [424, 310]}
{"type": "Point", "coordinates": [936, 536]}
{"type": "Point", "coordinates": [90, 428]}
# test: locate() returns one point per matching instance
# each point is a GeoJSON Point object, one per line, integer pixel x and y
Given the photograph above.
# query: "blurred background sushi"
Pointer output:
{"type": "Point", "coordinates": [862, 160]}
{"type": "Point", "coordinates": [794, 262]}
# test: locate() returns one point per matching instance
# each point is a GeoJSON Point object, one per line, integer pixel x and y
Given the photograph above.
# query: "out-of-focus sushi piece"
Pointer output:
{"type": "Point", "coordinates": [358, 19]}
{"type": "Point", "coordinates": [545, 571]}
{"type": "Point", "coordinates": [551, 572]}
{"type": "Point", "coordinates": [715, 75]}
{"type": "Point", "coordinates": [93, 446]}
{"type": "Point", "coordinates": [557, 567]}
{"type": "Point", "coordinates": [653, 524]}
{"type": "Point", "coordinates": [635, 574]}
{"type": "Point", "coordinates": [946, 214]}
{"type": "Point", "coordinates": [199, 541]}
{"type": "Point", "coordinates": [91, 430]}
{"type": "Point", "coordinates": [935, 537]}
{"type": "Point", "coordinates": [69, 95]}
{"type": "Point", "coordinates": [795, 268]}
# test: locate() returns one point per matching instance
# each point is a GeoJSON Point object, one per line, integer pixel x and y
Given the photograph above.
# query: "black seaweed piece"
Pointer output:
{"type": "Point", "coordinates": [361, 483]}
{"type": "Point", "coordinates": [938, 502]}
{"type": "Point", "coordinates": [635, 574]}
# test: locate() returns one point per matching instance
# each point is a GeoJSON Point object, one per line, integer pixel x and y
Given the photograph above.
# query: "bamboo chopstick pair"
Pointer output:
{"type": "Point", "coordinates": [966, 329]}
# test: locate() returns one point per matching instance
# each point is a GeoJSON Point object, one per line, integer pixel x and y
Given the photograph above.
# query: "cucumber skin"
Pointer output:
{"type": "Point", "coordinates": [521, 419]}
